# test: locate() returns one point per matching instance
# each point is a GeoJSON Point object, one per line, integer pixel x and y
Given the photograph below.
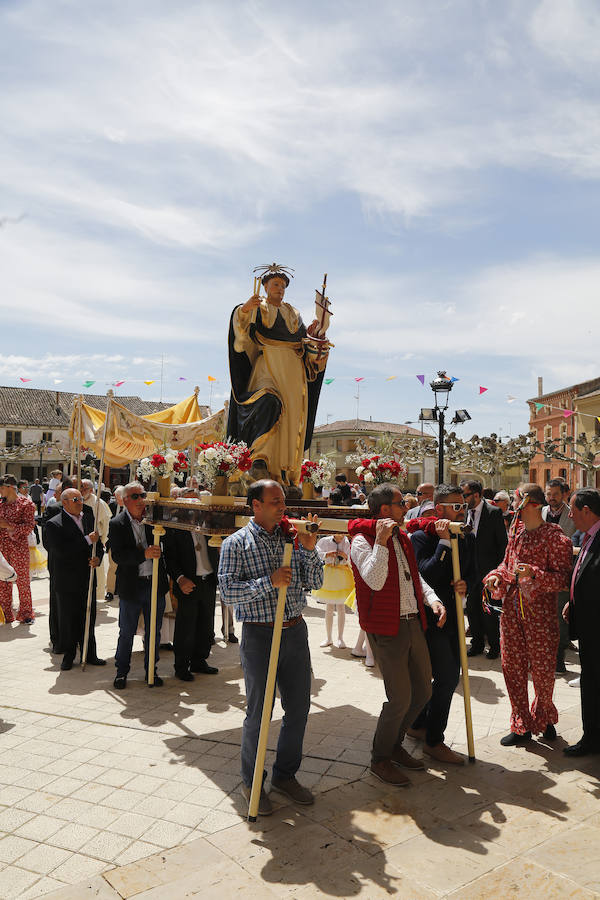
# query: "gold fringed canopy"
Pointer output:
{"type": "Point", "coordinates": [132, 437]}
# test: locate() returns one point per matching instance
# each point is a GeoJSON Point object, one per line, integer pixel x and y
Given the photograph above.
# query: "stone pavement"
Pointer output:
{"type": "Point", "coordinates": [114, 794]}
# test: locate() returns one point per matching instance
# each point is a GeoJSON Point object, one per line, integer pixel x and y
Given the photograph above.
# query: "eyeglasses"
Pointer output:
{"type": "Point", "coordinates": [140, 495]}
{"type": "Point", "coordinates": [76, 499]}
{"type": "Point", "coordinates": [421, 493]}
{"type": "Point", "coordinates": [455, 506]}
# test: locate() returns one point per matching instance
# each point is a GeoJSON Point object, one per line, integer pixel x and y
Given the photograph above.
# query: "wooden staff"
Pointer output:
{"type": "Point", "coordinates": [72, 460]}
{"type": "Point", "coordinates": [255, 293]}
{"type": "Point", "coordinates": [455, 529]}
{"type": "Point", "coordinates": [88, 609]}
{"type": "Point", "coordinates": [263, 737]}
{"type": "Point", "coordinates": [157, 532]}
{"type": "Point", "coordinates": [78, 482]}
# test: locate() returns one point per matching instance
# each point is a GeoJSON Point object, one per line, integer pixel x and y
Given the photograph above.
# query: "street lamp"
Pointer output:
{"type": "Point", "coordinates": [441, 387]}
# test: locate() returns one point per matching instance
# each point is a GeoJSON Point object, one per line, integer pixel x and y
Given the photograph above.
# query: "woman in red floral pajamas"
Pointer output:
{"type": "Point", "coordinates": [537, 564]}
{"type": "Point", "coordinates": [17, 520]}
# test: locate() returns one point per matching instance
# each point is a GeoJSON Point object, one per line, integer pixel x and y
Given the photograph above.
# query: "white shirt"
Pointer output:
{"type": "Point", "coordinates": [203, 566]}
{"type": "Point", "coordinates": [79, 522]}
{"type": "Point", "coordinates": [476, 516]}
{"type": "Point", "coordinates": [139, 533]}
{"type": "Point", "coordinates": [372, 564]}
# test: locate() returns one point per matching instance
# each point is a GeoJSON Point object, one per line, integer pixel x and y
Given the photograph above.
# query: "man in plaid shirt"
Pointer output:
{"type": "Point", "coordinates": [250, 575]}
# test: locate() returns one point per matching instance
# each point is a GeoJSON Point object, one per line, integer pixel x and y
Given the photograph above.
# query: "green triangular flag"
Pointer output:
{"type": "Point", "coordinates": [329, 380]}
{"type": "Point", "coordinates": [539, 405]}
{"type": "Point", "coordinates": [88, 383]}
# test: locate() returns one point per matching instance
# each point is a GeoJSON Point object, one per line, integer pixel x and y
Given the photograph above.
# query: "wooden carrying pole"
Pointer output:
{"type": "Point", "coordinates": [464, 663]}
{"type": "Point", "coordinates": [78, 482]}
{"type": "Point", "coordinates": [157, 533]}
{"type": "Point", "coordinates": [88, 609]}
{"type": "Point", "coordinates": [261, 749]}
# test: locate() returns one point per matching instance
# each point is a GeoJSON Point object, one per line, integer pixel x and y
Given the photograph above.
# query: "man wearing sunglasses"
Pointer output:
{"type": "Point", "coordinates": [133, 550]}
{"type": "Point", "coordinates": [434, 557]}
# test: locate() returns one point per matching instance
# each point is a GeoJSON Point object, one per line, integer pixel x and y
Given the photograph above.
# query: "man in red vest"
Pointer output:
{"type": "Point", "coordinates": [390, 597]}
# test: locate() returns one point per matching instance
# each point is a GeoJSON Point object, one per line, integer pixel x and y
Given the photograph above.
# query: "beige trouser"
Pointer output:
{"type": "Point", "coordinates": [404, 663]}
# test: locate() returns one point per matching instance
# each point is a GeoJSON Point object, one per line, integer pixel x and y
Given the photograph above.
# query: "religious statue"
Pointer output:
{"type": "Point", "coordinates": [277, 367]}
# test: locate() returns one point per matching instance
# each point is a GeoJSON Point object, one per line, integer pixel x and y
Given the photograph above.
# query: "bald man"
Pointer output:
{"type": "Point", "coordinates": [69, 536]}
{"type": "Point", "coordinates": [424, 501]}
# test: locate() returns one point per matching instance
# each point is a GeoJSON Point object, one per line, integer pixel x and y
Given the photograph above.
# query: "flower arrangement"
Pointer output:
{"type": "Point", "coordinates": [377, 469]}
{"type": "Point", "coordinates": [318, 473]}
{"type": "Point", "coordinates": [222, 458]}
{"type": "Point", "coordinates": [162, 464]}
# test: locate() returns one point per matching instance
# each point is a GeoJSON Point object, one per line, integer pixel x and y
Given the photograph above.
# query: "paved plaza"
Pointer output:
{"type": "Point", "coordinates": [135, 793]}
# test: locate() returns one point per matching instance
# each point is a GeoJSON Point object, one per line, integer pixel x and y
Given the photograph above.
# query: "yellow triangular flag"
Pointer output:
{"type": "Point", "coordinates": [149, 382]}
{"type": "Point", "coordinates": [391, 377]}
{"type": "Point", "coordinates": [210, 378]}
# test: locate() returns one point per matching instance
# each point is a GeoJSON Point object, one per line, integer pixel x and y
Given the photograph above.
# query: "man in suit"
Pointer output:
{"type": "Point", "coordinates": [582, 614]}
{"type": "Point", "coordinates": [69, 537]}
{"type": "Point", "coordinates": [425, 501]}
{"type": "Point", "coordinates": [491, 539]}
{"type": "Point", "coordinates": [133, 550]}
{"type": "Point", "coordinates": [51, 510]}
{"type": "Point", "coordinates": [557, 512]}
{"type": "Point", "coordinates": [434, 558]}
{"type": "Point", "coordinates": [192, 565]}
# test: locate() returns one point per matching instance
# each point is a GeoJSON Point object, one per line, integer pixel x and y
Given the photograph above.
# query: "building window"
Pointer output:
{"type": "Point", "coordinates": [563, 436]}
{"type": "Point", "coordinates": [547, 475]}
{"type": "Point", "coordinates": [562, 473]}
{"type": "Point", "coordinates": [548, 433]}
{"type": "Point", "coordinates": [47, 436]}
{"type": "Point", "coordinates": [13, 439]}
{"type": "Point", "coordinates": [533, 476]}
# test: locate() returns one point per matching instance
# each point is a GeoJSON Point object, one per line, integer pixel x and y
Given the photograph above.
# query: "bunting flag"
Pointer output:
{"type": "Point", "coordinates": [482, 390]}
{"type": "Point", "coordinates": [58, 381]}
{"type": "Point", "coordinates": [119, 383]}
{"type": "Point", "coordinates": [391, 377]}
{"type": "Point", "coordinates": [453, 379]}
{"type": "Point", "coordinates": [149, 382]}
{"type": "Point", "coordinates": [568, 413]}
{"type": "Point", "coordinates": [210, 378]}
{"type": "Point", "coordinates": [510, 398]}
{"type": "Point", "coordinates": [88, 384]}
{"type": "Point", "coordinates": [329, 380]}
{"type": "Point", "coordinates": [24, 379]}
{"type": "Point", "coordinates": [181, 378]}
{"type": "Point", "coordinates": [539, 406]}
{"type": "Point", "coordinates": [421, 378]}
{"type": "Point", "coordinates": [362, 378]}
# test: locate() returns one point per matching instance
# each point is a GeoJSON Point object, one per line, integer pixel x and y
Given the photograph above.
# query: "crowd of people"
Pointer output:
{"type": "Point", "coordinates": [529, 575]}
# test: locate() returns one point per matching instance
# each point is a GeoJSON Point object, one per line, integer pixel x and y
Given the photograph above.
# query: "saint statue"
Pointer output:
{"type": "Point", "coordinates": [277, 367]}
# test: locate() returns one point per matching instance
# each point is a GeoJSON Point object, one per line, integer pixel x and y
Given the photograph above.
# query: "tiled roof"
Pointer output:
{"type": "Point", "coordinates": [33, 408]}
{"type": "Point", "coordinates": [365, 425]}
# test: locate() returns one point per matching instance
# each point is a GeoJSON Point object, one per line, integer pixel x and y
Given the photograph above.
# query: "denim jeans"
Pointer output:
{"type": "Point", "coordinates": [129, 613]}
{"type": "Point", "coordinates": [293, 681]}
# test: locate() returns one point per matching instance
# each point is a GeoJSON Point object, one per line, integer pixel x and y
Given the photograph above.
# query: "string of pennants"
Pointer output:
{"type": "Point", "coordinates": [88, 383]}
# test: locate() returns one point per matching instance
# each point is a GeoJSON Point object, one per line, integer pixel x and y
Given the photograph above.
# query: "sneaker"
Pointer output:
{"type": "Point", "coordinates": [403, 758]}
{"type": "Point", "coordinates": [387, 772]}
{"type": "Point", "coordinates": [293, 789]}
{"type": "Point", "coordinates": [575, 682]}
{"type": "Point", "coordinates": [265, 807]}
{"type": "Point", "coordinates": [444, 754]}
{"type": "Point", "coordinates": [515, 740]}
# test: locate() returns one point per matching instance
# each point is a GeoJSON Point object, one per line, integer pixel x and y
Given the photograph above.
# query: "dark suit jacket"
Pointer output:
{"type": "Point", "coordinates": [128, 556]}
{"type": "Point", "coordinates": [435, 565]}
{"type": "Point", "coordinates": [583, 608]}
{"type": "Point", "coordinates": [70, 551]}
{"type": "Point", "coordinates": [491, 539]}
{"type": "Point", "coordinates": [180, 554]}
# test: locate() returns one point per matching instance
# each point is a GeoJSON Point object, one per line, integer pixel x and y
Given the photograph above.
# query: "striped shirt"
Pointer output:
{"type": "Point", "coordinates": [248, 557]}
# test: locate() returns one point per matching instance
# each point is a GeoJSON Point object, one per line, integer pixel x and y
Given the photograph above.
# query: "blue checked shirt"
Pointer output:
{"type": "Point", "coordinates": [247, 560]}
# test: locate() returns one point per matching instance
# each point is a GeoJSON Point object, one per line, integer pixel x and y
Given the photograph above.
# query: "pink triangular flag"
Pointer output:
{"type": "Point", "coordinates": [119, 383]}
{"type": "Point", "coordinates": [482, 390]}
{"type": "Point", "coordinates": [24, 379]}
{"type": "Point", "coordinates": [421, 379]}
{"type": "Point", "coordinates": [362, 378]}
{"type": "Point", "coordinates": [567, 413]}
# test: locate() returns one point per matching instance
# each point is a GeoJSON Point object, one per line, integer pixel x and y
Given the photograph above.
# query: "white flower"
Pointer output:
{"type": "Point", "coordinates": [228, 458]}
{"type": "Point", "coordinates": [210, 453]}
{"type": "Point", "coordinates": [360, 470]}
{"type": "Point", "coordinates": [369, 477]}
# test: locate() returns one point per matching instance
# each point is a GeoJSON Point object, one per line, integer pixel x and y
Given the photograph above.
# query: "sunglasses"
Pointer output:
{"type": "Point", "coordinates": [455, 506]}
{"type": "Point", "coordinates": [465, 495]}
{"type": "Point", "coordinates": [398, 503]}
{"type": "Point", "coordinates": [140, 495]}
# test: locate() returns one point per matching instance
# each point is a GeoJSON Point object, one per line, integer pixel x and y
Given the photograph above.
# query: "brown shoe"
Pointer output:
{"type": "Point", "coordinates": [402, 758]}
{"type": "Point", "coordinates": [417, 733]}
{"type": "Point", "coordinates": [444, 754]}
{"type": "Point", "coordinates": [387, 772]}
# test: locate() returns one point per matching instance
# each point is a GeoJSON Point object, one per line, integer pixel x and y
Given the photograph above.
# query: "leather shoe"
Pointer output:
{"type": "Point", "coordinates": [66, 664]}
{"type": "Point", "coordinates": [550, 733]}
{"type": "Point", "coordinates": [120, 682]}
{"type": "Point", "coordinates": [265, 807]}
{"type": "Point", "coordinates": [232, 638]}
{"type": "Point", "coordinates": [492, 653]}
{"type": "Point", "coordinates": [512, 739]}
{"type": "Point", "coordinates": [403, 758]}
{"type": "Point", "coordinates": [108, 597]}
{"type": "Point", "coordinates": [444, 754]}
{"type": "Point", "coordinates": [204, 668]}
{"type": "Point", "coordinates": [158, 682]}
{"type": "Point", "coordinates": [386, 771]}
{"type": "Point", "coordinates": [96, 661]}
{"type": "Point", "coordinates": [184, 676]}
{"type": "Point", "coordinates": [292, 788]}
{"type": "Point", "coordinates": [475, 651]}
{"type": "Point", "coordinates": [581, 748]}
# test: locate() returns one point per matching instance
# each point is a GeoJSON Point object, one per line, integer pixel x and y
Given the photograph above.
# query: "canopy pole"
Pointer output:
{"type": "Point", "coordinates": [464, 662]}
{"type": "Point", "coordinates": [88, 610]}
{"type": "Point", "coordinates": [157, 533]}
{"type": "Point", "coordinates": [72, 460]}
{"type": "Point", "coordinates": [78, 482]}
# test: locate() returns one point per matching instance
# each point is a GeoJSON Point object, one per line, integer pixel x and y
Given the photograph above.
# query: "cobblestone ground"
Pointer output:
{"type": "Point", "coordinates": [114, 794]}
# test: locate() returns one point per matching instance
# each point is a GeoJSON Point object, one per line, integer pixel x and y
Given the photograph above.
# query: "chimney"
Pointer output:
{"type": "Point", "coordinates": [540, 386]}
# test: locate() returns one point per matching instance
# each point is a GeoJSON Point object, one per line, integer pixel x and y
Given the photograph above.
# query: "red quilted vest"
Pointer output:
{"type": "Point", "coordinates": [379, 611]}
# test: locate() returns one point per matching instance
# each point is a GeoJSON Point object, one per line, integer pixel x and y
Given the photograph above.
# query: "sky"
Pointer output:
{"type": "Point", "coordinates": [439, 160]}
